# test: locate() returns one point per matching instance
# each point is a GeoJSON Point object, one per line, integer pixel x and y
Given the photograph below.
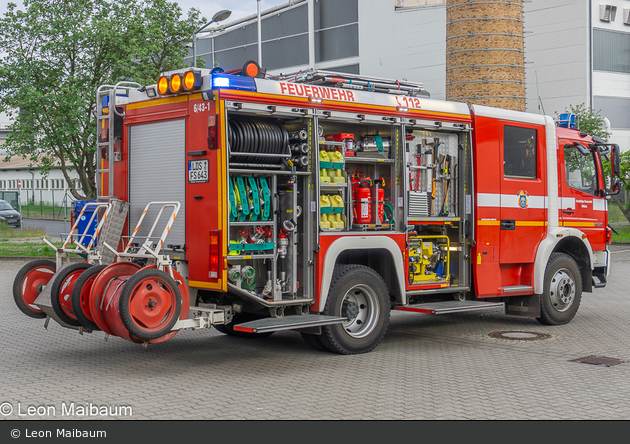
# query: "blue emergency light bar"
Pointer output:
{"type": "Point", "coordinates": [226, 81]}
{"type": "Point", "coordinates": [568, 120]}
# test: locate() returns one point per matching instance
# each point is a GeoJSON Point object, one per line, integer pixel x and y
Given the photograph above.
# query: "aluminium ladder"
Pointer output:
{"type": "Point", "coordinates": [105, 117]}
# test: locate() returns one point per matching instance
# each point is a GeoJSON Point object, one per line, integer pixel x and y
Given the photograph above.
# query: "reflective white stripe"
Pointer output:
{"type": "Point", "coordinates": [567, 202]}
{"type": "Point", "coordinates": [488, 200]}
{"type": "Point", "coordinates": [509, 201]}
{"type": "Point", "coordinates": [600, 205]}
{"type": "Point", "coordinates": [512, 201]}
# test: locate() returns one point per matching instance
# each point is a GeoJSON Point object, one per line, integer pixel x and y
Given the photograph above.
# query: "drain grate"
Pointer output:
{"type": "Point", "coordinates": [518, 335]}
{"type": "Point", "coordinates": [598, 360]}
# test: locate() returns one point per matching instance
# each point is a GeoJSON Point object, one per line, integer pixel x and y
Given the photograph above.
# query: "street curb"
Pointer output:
{"type": "Point", "coordinates": [32, 258]}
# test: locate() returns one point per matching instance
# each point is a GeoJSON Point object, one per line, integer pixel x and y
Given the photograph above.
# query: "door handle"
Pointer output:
{"type": "Point", "coordinates": [508, 224]}
{"type": "Point", "coordinates": [569, 211]}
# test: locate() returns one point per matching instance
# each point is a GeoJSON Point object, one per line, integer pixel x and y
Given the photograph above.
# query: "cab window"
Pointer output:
{"type": "Point", "coordinates": [580, 170]}
{"type": "Point", "coordinates": [519, 152]}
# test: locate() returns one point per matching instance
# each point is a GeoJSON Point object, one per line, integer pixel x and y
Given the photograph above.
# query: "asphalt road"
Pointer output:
{"type": "Point", "coordinates": [53, 228]}
{"type": "Point", "coordinates": [427, 367]}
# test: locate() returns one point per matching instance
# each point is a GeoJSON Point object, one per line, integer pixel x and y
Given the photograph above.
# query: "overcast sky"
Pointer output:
{"type": "Point", "coordinates": [239, 8]}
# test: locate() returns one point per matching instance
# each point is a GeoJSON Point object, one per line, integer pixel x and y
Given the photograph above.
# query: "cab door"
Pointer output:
{"type": "Point", "coordinates": [523, 189]}
{"type": "Point", "coordinates": [581, 206]}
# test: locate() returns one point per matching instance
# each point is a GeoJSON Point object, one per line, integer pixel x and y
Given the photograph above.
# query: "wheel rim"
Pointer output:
{"type": "Point", "coordinates": [562, 290]}
{"type": "Point", "coordinates": [65, 292]}
{"type": "Point", "coordinates": [84, 297]}
{"type": "Point", "coordinates": [152, 303]}
{"type": "Point", "coordinates": [360, 306]}
{"type": "Point", "coordinates": [34, 283]}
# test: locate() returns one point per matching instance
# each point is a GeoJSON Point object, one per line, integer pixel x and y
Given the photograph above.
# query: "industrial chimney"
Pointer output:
{"type": "Point", "coordinates": [485, 53]}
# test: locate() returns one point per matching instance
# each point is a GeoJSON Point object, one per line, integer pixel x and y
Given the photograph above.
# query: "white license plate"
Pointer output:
{"type": "Point", "coordinates": [197, 171]}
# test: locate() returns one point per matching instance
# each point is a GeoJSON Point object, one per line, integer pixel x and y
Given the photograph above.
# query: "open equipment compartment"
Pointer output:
{"type": "Point", "coordinates": [269, 159]}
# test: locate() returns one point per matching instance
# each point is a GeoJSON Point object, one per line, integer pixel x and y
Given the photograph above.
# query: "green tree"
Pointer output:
{"type": "Point", "coordinates": [55, 54]}
{"type": "Point", "coordinates": [592, 123]}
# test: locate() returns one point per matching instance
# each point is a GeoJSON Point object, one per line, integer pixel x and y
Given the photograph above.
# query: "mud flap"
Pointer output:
{"type": "Point", "coordinates": [523, 306]}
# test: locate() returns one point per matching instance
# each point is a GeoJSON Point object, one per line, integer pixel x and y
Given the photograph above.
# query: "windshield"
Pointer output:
{"type": "Point", "coordinates": [5, 206]}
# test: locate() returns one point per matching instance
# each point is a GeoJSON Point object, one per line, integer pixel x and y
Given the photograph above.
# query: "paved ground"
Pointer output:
{"type": "Point", "coordinates": [427, 367]}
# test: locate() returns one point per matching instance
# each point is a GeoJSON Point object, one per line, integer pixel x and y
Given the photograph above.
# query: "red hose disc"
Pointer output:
{"type": "Point", "coordinates": [103, 286]}
{"type": "Point", "coordinates": [112, 314]}
{"type": "Point", "coordinates": [32, 284]}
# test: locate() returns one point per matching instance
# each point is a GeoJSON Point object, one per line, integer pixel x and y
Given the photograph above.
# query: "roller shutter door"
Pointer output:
{"type": "Point", "coordinates": [157, 172]}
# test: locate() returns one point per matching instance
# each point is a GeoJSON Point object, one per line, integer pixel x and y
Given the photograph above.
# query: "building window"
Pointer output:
{"type": "Point", "coordinates": [336, 29]}
{"type": "Point", "coordinates": [405, 4]}
{"type": "Point", "coordinates": [611, 51]}
{"type": "Point", "coordinates": [616, 109]}
{"type": "Point", "coordinates": [519, 152]}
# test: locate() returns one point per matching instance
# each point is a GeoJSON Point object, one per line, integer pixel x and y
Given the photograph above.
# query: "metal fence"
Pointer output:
{"type": "Point", "coordinates": [11, 197]}
{"type": "Point", "coordinates": [46, 204]}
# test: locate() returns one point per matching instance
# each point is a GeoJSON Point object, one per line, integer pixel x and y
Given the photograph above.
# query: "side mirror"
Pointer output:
{"type": "Point", "coordinates": [616, 161]}
{"type": "Point", "coordinates": [616, 187]}
{"type": "Point", "coordinates": [582, 149]}
{"type": "Point", "coordinates": [615, 166]}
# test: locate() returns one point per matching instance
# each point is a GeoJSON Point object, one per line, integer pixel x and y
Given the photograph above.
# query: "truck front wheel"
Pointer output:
{"type": "Point", "coordinates": [360, 294]}
{"type": "Point", "coordinates": [562, 291]}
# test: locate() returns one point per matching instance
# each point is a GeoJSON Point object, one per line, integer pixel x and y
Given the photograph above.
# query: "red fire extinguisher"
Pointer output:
{"type": "Point", "coordinates": [361, 197]}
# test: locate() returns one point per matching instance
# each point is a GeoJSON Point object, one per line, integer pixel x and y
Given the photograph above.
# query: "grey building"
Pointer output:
{"type": "Point", "coordinates": [576, 51]}
{"type": "Point", "coordinates": [579, 52]}
{"type": "Point", "coordinates": [377, 38]}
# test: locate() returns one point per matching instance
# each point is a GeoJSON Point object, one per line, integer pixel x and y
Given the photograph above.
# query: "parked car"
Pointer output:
{"type": "Point", "coordinates": [7, 213]}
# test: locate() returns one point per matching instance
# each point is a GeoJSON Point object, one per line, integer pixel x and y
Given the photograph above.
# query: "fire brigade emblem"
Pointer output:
{"type": "Point", "coordinates": [522, 198]}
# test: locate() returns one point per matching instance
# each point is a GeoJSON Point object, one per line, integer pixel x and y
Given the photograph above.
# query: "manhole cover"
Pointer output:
{"type": "Point", "coordinates": [518, 335]}
{"type": "Point", "coordinates": [598, 360]}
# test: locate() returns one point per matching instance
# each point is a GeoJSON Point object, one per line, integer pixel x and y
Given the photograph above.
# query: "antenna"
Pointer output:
{"type": "Point", "coordinates": [540, 104]}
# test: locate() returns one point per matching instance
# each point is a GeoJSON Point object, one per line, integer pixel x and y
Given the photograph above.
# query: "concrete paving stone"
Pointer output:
{"type": "Point", "coordinates": [427, 367]}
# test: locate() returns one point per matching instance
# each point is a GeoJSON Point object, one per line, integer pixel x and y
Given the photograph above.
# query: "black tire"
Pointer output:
{"type": "Point", "coordinates": [228, 329]}
{"type": "Point", "coordinates": [562, 290]}
{"type": "Point", "coordinates": [58, 285]}
{"type": "Point", "coordinates": [22, 289]}
{"type": "Point", "coordinates": [87, 275]}
{"type": "Point", "coordinates": [315, 341]}
{"type": "Point", "coordinates": [140, 284]}
{"type": "Point", "coordinates": [358, 292]}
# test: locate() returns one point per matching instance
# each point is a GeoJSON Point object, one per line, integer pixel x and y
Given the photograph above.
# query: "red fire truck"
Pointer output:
{"type": "Point", "coordinates": [318, 202]}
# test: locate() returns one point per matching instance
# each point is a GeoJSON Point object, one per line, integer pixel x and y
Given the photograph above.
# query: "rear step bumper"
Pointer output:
{"type": "Point", "coordinates": [599, 280]}
{"type": "Point", "coordinates": [444, 307]}
{"type": "Point", "coordinates": [287, 323]}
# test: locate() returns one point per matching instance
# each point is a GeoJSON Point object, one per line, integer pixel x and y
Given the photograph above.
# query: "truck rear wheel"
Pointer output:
{"type": "Point", "coordinates": [360, 294]}
{"type": "Point", "coordinates": [314, 341]}
{"type": "Point", "coordinates": [562, 291]}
